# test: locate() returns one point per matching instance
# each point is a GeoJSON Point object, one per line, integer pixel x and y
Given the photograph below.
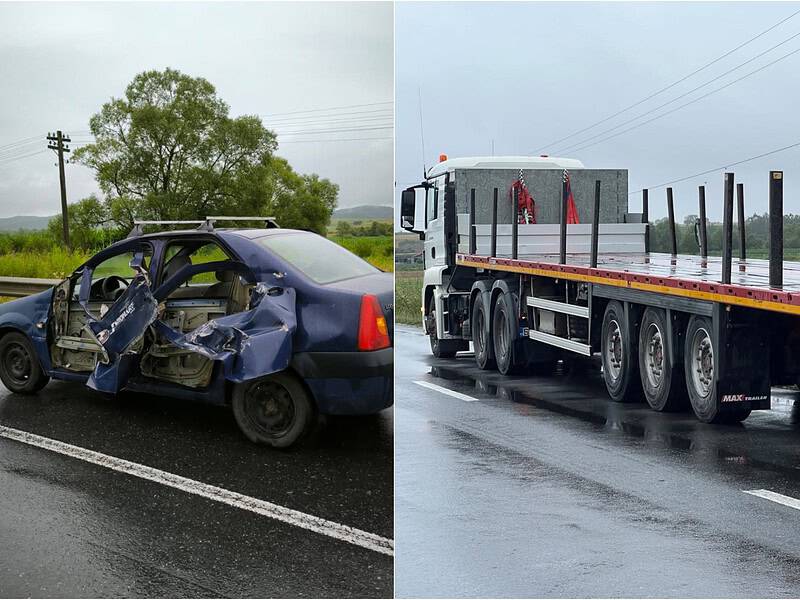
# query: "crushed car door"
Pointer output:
{"type": "Point", "coordinates": [250, 342]}
{"type": "Point", "coordinates": [73, 347]}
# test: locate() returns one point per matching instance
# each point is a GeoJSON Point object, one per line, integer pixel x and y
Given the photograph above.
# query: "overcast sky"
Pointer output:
{"type": "Point", "coordinates": [59, 62]}
{"type": "Point", "coordinates": [526, 75]}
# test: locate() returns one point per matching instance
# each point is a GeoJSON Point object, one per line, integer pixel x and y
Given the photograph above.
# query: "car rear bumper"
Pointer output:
{"type": "Point", "coordinates": [348, 383]}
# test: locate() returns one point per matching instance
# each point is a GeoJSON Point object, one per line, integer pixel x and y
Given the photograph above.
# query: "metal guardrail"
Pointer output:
{"type": "Point", "coordinates": [17, 287]}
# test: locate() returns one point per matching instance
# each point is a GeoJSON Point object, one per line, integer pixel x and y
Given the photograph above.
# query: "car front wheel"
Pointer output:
{"type": "Point", "coordinates": [275, 410]}
{"type": "Point", "coordinates": [20, 370]}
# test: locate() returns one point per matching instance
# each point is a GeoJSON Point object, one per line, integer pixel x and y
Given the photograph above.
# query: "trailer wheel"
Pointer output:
{"type": "Point", "coordinates": [701, 376]}
{"type": "Point", "coordinates": [441, 348]}
{"type": "Point", "coordinates": [481, 336]}
{"type": "Point", "coordinates": [661, 390]}
{"type": "Point", "coordinates": [504, 326]}
{"type": "Point", "coordinates": [619, 355]}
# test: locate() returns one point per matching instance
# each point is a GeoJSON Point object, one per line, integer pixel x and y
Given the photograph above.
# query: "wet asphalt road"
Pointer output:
{"type": "Point", "coordinates": [544, 488]}
{"type": "Point", "coordinates": [73, 529]}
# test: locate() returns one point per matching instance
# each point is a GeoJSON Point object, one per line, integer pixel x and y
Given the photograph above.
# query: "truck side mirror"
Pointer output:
{"type": "Point", "coordinates": [408, 206]}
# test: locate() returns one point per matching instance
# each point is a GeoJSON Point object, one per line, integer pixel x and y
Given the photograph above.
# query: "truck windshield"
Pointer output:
{"type": "Point", "coordinates": [316, 257]}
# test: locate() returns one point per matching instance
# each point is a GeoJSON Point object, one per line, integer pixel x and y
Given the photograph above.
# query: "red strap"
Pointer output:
{"type": "Point", "coordinates": [526, 207]}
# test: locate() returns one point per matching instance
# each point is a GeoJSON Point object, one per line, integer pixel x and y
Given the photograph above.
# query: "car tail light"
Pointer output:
{"type": "Point", "coordinates": [373, 333]}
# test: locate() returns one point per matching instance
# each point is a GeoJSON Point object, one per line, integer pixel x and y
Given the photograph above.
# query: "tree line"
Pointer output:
{"type": "Point", "coordinates": [169, 150]}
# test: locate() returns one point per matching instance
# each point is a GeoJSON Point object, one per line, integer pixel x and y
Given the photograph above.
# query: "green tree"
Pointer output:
{"type": "Point", "coordinates": [168, 149]}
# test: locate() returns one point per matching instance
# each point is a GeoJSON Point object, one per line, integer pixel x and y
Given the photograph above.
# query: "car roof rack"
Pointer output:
{"type": "Point", "coordinates": [205, 225]}
{"type": "Point", "coordinates": [269, 222]}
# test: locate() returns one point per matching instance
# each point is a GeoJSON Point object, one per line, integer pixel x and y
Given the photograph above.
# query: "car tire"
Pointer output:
{"type": "Point", "coordinates": [618, 348]}
{"type": "Point", "coordinates": [275, 410]}
{"type": "Point", "coordinates": [482, 336]}
{"type": "Point", "coordinates": [20, 370]}
{"type": "Point", "coordinates": [662, 385]}
{"type": "Point", "coordinates": [441, 348]}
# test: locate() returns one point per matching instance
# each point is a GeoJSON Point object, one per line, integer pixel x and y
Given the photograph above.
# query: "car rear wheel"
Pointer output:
{"type": "Point", "coordinates": [275, 410]}
{"type": "Point", "coordinates": [20, 370]}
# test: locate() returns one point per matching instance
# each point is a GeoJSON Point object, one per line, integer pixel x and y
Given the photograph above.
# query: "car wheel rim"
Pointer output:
{"type": "Point", "coordinates": [702, 363]}
{"type": "Point", "coordinates": [270, 408]}
{"type": "Point", "coordinates": [18, 364]}
{"type": "Point", "coordinates": [614, 350]}
{"type": "Point", "coordinates": [654, 361]}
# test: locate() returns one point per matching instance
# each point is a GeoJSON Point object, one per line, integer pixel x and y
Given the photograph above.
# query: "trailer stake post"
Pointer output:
{"type": "Point", "coordinates": [776, 229]}
{"type": "Point", "coordinates": [645, 219]}
{"type": "Point", "coordinates": [727, 229]}
{"type": "Point", "coordinates": [473, 240]}
{"type": "Point", "coordinates": [596, 225]}
{"type": "Point", "coordinates": [562, 254]}
{"type": "Point", "coordinates": [703, 222]}
{"type": "Point", "coordinates": [514, 223]}
{"type": "Point", "coordinates": [493, 252]}
{"type": "Point", "coordinates": [672, 236]}
{"type": "Point", "coordinates": [740, 217]}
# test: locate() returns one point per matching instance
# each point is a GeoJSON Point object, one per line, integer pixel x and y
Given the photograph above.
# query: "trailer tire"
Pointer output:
{"type": "Point", "coordinates": [504, 326]}
{"type": "Point", "coordinates": [619, 355]}
{"type": "Point", "coordinates": [662, 390]}
{"type": "Point", "coordinates": [701, 376]}
{"type": "Point", "coordinates": [481, 336]}
{"type": "Point", "coordinates": [441, 348]}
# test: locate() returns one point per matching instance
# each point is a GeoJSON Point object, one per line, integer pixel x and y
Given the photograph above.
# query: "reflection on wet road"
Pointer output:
{"type": "Point", "coordinates": [155, 523]}
{"type": "Point", "coordinates": [540, 486]}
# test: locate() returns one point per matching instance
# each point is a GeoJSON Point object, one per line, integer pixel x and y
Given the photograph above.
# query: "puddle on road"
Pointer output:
{"type": "Point", "coordinates": [771, 440]}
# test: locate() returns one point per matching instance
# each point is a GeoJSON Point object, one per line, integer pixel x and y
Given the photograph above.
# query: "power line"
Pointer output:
{"type": "Point", "coordinates": [16, 158]}
{"type": "Point", "coordinates": [365, 139]}
{"type": "Point", "coordinates": [341, 130]}
{"type": "Point", "coordinates": [723, 167]}
{"type": "Point", "coordinates": [389, 111]}
{"type": "Point", "coordinates": [314, 110]}
{"type": "Point", "coordinates": [714, 91]}
{"type": "Point", "coordinates": [21, 142]}
{"type": "Point", "coordinates": [702, 85]}
{"type": "Point", "coordinates": [671, 85]}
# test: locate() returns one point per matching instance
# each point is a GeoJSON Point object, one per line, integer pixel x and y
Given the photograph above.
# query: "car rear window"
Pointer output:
{"type": "Point", "coordinates": [317, 257]}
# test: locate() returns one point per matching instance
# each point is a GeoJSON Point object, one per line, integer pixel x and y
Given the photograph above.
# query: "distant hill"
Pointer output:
{"type": "Point", "coordinates": [365, 213]}
{"type": "Point", "coordinates": [23, 222]}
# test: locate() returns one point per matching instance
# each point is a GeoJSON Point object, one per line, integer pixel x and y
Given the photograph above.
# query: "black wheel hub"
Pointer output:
{"type": "Point", "coordinates": [18, 364]}
{"type": "Point", "coordinates": [270, 408]}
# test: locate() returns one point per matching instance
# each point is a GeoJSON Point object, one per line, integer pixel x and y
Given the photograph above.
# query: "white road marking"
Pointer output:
{"type": "Point", "coordinates": [775, 497]}
{"type": "Point", "coordinates": [444, 390]}
{"type": "Point", "coordinates": [344, 533]}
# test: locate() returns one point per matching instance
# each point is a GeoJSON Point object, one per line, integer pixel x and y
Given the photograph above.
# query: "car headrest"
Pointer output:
{"type": "Point", "coordinates": [224, 276]}
{"type": "Point", "coordinates": [175, 264]}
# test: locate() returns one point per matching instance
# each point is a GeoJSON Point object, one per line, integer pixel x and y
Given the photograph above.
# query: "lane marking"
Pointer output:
{"type": "Point", "coordinates": [775, 497]}
{"type": "Point", "coordinates": [444, 390]}
{"type": "Point", "coordinates": [344, 533]}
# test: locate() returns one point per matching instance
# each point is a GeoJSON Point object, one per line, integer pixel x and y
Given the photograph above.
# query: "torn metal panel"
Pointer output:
{"type": "Point", "coordinates": [249, 344]}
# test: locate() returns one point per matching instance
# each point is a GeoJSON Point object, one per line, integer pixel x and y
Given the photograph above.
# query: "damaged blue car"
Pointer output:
{"type": "Point", "coordinates": [282, 325]}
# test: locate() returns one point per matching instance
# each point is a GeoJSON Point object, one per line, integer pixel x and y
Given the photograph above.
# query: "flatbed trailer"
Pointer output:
{"type": "Point", "coordinates": [673, 329]}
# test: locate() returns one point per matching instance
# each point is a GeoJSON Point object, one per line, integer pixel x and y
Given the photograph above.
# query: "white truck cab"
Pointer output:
{"type": "Point", "coordinates": [430, 210]}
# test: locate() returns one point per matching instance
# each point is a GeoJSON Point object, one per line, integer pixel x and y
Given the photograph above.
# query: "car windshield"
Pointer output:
{"type": "Point", "coordinates": [317, 257]}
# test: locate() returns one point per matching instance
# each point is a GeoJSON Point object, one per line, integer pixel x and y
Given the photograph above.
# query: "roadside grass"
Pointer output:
{"type": "Point", "coordinates": [58, 263]}
{"type": "Point", "coordinates": [407, 302]}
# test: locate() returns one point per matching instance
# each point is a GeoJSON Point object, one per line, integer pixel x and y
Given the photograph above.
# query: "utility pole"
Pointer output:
{"type": "Point", "coordinates": [56, 142]}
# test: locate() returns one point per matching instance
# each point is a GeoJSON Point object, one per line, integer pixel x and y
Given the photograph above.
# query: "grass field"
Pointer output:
{"type": "Point", "coordinates": [407, 303]}
{"type": "Point", "coordinates": [57, 263]}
